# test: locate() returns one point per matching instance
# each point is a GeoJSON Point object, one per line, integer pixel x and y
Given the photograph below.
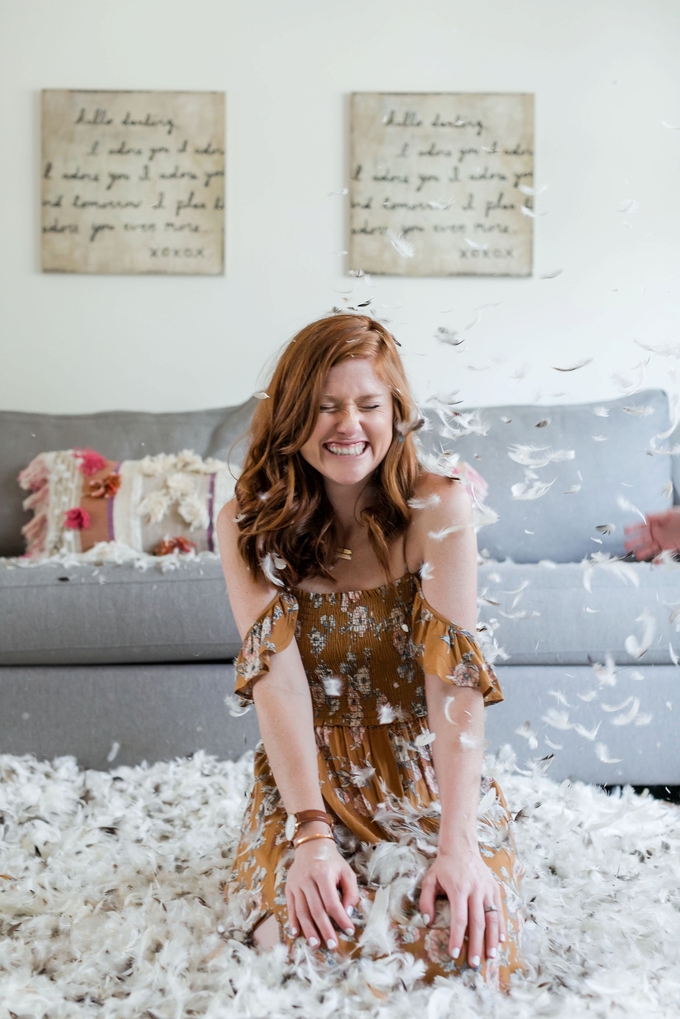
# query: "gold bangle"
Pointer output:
{"type": "Point", "coordinates": [308, 838]}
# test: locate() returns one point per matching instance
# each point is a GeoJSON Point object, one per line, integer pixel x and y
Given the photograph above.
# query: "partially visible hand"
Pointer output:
{"type": "Point", "coordinates": [470, 886]}
{"type": "Point", "coordinates": [320, 888]}
{"type": "Point", "coordinates": [659, 531]}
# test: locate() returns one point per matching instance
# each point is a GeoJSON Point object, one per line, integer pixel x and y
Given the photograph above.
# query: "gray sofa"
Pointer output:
{"type": "Point", "coordinates": [116, 665]}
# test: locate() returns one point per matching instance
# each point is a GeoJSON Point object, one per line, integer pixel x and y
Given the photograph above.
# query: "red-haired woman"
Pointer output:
{"type": "Point", "coordinates": [351, 573]}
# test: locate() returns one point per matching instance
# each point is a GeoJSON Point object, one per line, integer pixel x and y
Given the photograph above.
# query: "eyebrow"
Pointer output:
{"type": "Point", "coordinates": [364, 396]}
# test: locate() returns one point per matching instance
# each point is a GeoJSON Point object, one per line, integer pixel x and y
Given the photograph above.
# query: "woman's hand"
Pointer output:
{"type": "Point", "coordinates": [320, 888]}
{"type": "Point", "coordinates": [659, 531]}
{"type": "Point", "coordinates": [474, 897]}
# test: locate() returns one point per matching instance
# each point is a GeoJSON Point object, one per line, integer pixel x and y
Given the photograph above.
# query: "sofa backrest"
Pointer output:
{"type": "Point", "coordinates": [559, 525]}
{"type": "Point", "coordinates": [118, 435]}
{"type": "Point", "coordinates": [611, 461]}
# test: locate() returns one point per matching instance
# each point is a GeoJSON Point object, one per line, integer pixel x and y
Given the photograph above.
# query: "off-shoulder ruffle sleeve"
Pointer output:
{"type": "Point", "coordinates": [271, 632]}
{"type": "Point", "coordinates": [445, 650]}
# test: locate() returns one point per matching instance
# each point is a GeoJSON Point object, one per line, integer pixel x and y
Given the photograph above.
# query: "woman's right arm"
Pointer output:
{"type": "Point", "coordinates": [285, 715]}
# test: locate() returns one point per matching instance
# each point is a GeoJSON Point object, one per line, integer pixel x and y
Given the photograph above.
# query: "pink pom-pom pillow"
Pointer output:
{"type": "Point", "coordinates": [157, 505]}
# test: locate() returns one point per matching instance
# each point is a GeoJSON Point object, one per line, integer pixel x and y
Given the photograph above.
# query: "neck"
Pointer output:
{"type": "Point", "coordinates": [348, 501]}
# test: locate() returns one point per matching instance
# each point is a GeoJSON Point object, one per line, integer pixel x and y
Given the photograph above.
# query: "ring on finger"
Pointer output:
{"type": "Point", "coordinates": [490, 909]}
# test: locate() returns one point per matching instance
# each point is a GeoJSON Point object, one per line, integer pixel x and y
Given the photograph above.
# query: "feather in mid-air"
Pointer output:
{"type": "Point", "coordinates": [400, 244]}
{"type": "Point", "coordinates": [603, 754]}
{"type": "Point", "coordinates": [574, 367]}
{"type": "Point", "coordinates": [538, 456]}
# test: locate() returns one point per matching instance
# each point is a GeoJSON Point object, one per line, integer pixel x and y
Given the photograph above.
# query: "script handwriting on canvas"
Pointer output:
{"type": "Point", "coordinates": [133, 182]}
{"type": "Point", "coordinates": [437, 184]}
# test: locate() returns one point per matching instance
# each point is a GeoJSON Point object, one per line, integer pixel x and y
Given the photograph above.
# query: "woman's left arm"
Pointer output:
{"type": "Point", "coordinates": [456, 717]}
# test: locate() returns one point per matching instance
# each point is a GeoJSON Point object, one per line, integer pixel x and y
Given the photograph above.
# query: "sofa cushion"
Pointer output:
{"type": "Point", "coordinates": [542, 614]}
{"type": "Point", "coordinates": [57, 615]}
{"type": "Point", "coordinates": [129, 435]}
{"type": "Point", "coordinates": [611, 460]}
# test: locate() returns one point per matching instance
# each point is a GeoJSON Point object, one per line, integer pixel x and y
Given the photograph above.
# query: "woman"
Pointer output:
{"type": "Point", "coordinates": [351, 573]}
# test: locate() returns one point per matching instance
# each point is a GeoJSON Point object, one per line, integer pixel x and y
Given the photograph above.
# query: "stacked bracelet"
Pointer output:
{"type": "Point", "coordinates": [309, 838]}
{"type": "Point", "coordinates": [303, 817]}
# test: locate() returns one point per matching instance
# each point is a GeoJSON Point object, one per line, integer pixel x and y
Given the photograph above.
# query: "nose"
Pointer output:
{"type": "Point", "coordinates": [348, 422]}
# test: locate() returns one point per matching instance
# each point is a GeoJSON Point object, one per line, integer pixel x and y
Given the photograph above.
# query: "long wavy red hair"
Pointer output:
{"type": "Point", "coordinates": [285, 517]}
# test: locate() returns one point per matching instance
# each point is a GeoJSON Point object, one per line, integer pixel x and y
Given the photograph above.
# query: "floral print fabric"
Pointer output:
{"type": "Point", "coordinates": [365, 655]}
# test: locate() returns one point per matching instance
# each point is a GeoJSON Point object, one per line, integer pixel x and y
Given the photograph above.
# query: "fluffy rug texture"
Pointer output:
{"type": "Point", "coordinates": [111, 905]}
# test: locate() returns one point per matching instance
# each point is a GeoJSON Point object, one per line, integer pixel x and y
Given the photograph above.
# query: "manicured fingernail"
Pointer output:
{"type": "Point", "coordinates": [331, 943]}
{"type": "Point", "coordinates": [501, 937]}
{"type": "Point", "coordinates": [312, 942]}
{"type": "Point", "coordinates": [455, 953]}
{"type": "Point", "coordinates": [293, 932]}
{"type": "Point", "coordinates": [474, 961]}
{"type": "Point", "coordinates": [350, 911]}
{"type": "Point", "coordinates": [426, 918]}
{"type": "Point", "coordinates": [492, 953]}
{"type": "Point", "coordinates": [349, 930]}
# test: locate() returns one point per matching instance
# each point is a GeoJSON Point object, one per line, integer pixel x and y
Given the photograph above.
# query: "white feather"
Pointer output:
{"type": "Point", "coordinates": [268, 568]}
{"type": "Point", "coordinates": [469, 742]}
{"type": "Point", "coordinates": [624, 504]}
{"type": "Point", "coordinates": [426, 503]}
{"type": "Point", "coordinates": [526, 491]}
{"type": "Point", "coordinates": [333, 686]}
{"type": "Point", "coordinates": [587, 733]}
{"type": "Point", "coordinates": [610, 564]}
{"type": "Point", "coordinates": [425, 738]}
{"type": "Point", "coordinates": [528, 733]}
{"type": "Point", "coordinates": [538, 456]}
{"type": "Point", "coordinates": [400, 244]}
{"type": "Point", "coordinates": [606, 673]}
{"type": "Point", "coordinates": [386, 714]}
{"type": "Point", "coordinates": [636, 649]}
{"type": "Point", "coordinates": [558, 719]}
{"type": "Point", "coordinates": [426, 571]}
{"type": "Point", "coordinates": [627, 718]}
{"type": "Point", "coordinates": [235, 708]}
{"type": "Point", "coordinates": [603, 754]}
{"type": "Point", "coordinates": [445, 531]}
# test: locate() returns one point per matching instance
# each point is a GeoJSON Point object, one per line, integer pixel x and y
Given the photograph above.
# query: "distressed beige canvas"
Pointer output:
{"type": "Point", "coordinates": [437, 184]}
{"type": "Point", "coordinates": [133, 182]}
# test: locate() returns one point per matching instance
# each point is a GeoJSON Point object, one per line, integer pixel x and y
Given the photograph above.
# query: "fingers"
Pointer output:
{"type": "Point", "coordinates": [320, 917]}
{"type": "Point", "coordinates": [476, 929]}
{"type": "Point", "coordinates": [335, 910]}
{"type": "Point", "coordinates": [492, 932]}
{"type": "Point", "coordinates": [426, 901]}
{"type": "Point", "coordinates": [293, 921]}
{"type": "Point", "coordinates": [309, 930]}
{"type": "Point", "coordinates": [348, 890]}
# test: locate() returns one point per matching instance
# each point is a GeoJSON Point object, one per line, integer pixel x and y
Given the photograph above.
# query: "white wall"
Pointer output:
{"type": "Point", "coordinates": [605, 75]}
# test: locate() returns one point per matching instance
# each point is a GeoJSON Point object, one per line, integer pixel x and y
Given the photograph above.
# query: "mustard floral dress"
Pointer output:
{"type": "Point", "coordinates": [365, 654]}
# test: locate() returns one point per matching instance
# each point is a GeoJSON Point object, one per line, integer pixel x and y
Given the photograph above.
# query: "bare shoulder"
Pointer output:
{"type": "Point", "coordinates": [435, 495]}
{"type": "Point", "coordinates": [438, 504]}
{"type": "Point", "coordinates": [227, 528]}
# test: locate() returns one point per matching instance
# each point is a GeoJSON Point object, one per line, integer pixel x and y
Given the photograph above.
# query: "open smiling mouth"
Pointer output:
{"type": "Point", "coordinates": [353, 449]}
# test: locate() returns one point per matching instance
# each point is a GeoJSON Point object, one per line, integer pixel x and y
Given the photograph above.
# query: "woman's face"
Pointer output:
{"type": "Point", "coordinates": [354, 429]}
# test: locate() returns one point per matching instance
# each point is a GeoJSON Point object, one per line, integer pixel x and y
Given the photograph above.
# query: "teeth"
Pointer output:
{"type": "Point", "coordinates": [356, 449]}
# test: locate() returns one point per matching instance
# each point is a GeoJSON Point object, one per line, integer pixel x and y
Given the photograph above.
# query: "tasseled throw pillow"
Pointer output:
{"type": "Point", "coordinates": [158, 505]}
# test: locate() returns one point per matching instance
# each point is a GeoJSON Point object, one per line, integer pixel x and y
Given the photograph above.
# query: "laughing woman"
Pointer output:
{"type": "Point", "coordinates": [351, 573]}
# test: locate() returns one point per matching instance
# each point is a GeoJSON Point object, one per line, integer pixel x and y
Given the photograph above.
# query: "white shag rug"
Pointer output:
{"type": "Point", "coordinates": [111, 905]}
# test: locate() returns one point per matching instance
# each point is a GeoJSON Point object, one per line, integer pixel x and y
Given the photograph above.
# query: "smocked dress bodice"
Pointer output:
{"type": "Point", "coordinates": [365, 653]}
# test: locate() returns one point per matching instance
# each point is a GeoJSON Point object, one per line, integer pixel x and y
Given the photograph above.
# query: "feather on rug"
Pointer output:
{"type": "Point", "coordinates": [111, 905]}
